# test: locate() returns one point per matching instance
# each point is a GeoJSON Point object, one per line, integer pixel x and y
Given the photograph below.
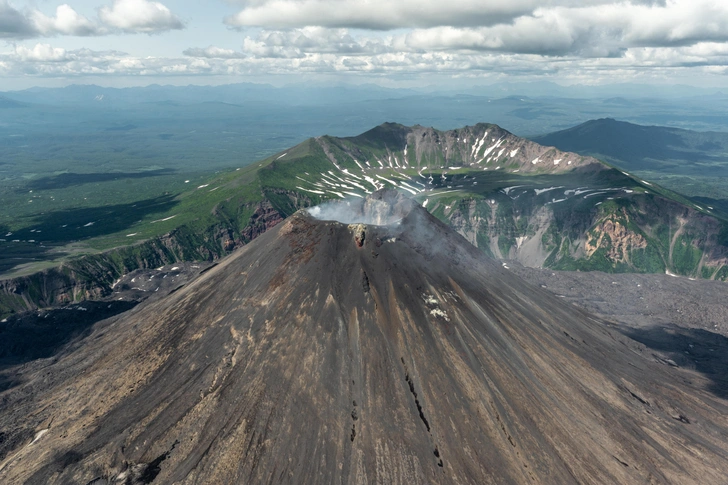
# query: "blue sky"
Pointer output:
{"type": "Point", "coordinates": [407, 42]}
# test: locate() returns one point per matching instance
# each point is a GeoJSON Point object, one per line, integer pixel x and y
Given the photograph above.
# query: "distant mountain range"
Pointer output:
{"type": "Point", "coordinates": [303, 110]}
{"type": "Point", "coordinates": [636, 147]}
{"type": "Point", "coordinates": [322, 93]}
{"type": "Point", "coordinates": [89, 94]}
{"type": "Point", "coordinates": [691, 163]}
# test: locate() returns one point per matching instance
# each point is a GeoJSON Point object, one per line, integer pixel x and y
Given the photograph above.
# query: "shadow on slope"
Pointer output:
{"type": "Point", "coordinates": [15, 254]}
{"type": "Point", "coordinates": [38, 241]}
{"type": "Point", "coordinates": [65, 180]}
{"type": "Point", "coordinates": [698, 349]}
{"type": "Point", "coordinates": [83, 223]}
{"type": "Point", "coordinates": [33, 335]}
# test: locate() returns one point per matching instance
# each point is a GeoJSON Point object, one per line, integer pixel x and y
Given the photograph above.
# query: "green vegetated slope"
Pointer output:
{"type": "Point", "coordinates": [511, 197]}
{"type": "Point", "coordinates": [203, 223]}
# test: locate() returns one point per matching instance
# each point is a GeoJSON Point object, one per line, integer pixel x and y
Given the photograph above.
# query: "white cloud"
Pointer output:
{"type": "Point", "coordinates": [41, 53]}
{"type": "Point", "coordinates": [296, 44]}
{"type": "Point", "coordinates": [595, 31]}
{"type": "Point", "coordinates": [308, 40]}
{"type": "Point", "coordinates": [388, 14]}
{"type": "Point", "coordinates": [139, 16]}
{"type": "Point", "coordinates": [213, 52]}
{"type": "Point", "coordinates": [67, 22]}
{"type": "Point", "coordinates": [129, 16]}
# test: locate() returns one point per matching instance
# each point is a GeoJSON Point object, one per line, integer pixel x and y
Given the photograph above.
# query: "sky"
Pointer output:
{"type": "Point", "coordinates": [389, 42]}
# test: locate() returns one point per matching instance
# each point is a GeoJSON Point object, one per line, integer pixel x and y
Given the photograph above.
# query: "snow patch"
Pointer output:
{"type": "Point", "coordinates": [541, 191]}
{"type": "Point", "coordinates": [497, 144]}
{"type": "Point", "coordinates": [430, 300]}
{"type": "Point", "coordinates": [165, 219]}
{"type": "Point", "coordinates": [436, 312]}
{"type": "Point", "coordinates": [508, 189]}
{"type": "Point", "coordinates": [577, 191]}
{"type": "Point", "coordinates": [312, 191]}
{"type": "Point", "coordinates": [38, 436]}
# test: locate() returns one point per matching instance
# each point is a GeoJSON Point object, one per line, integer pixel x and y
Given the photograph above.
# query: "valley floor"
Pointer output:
{"type": "Point", "coordinates": [679, 321]}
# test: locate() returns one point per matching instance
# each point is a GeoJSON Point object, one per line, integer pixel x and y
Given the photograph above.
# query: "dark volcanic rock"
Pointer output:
{"type": "Point", "coordinates": [303, 358]}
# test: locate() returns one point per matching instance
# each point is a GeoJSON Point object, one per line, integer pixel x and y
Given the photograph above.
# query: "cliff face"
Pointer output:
{"type": "Point", "coordinates": [648, 235]}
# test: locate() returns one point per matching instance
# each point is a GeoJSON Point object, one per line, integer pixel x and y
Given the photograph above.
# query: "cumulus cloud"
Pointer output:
{"type": "Point", "coordinates": [13, 23]}
{"type": "Point", "coordinates": [213, 52]}
{"type": "Point", "coordinates": [308, 40]}
{"type": "Point", "coordinates": [296, 44]}
{"type": "Point", "coordinates": [139, 16]}
{"type": "Point", "coordinates": [41, 53]}
{"type": "Point", "coordinates": [130, 16]}
{"type": "Point", "coordinates": [66, 21]}
{"type": "Point", "coordinates": [387, 14]}
{"type": "Point", "coordinates": [375, 14]}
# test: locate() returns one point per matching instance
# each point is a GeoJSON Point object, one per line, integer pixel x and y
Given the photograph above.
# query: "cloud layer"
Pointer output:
{"type": "Point", "coordinates": [386, 14]}
{"type": "Point", "coordinates": [566, 39]}
{"type": "Point", "coordinates": [586, 28]}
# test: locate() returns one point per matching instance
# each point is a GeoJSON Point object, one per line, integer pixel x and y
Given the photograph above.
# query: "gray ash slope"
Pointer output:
{"type": "Point", "coordinates": [326, 352]}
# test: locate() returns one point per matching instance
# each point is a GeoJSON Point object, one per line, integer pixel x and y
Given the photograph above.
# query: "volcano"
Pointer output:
{"type": "Point", "coordinates": [359, 342]}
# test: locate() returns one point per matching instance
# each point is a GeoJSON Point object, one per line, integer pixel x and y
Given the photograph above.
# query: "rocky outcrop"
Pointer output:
{"type": "Point", "coordinates": [359, 233]}
{"type": "Point", "coordinates": [616, 239]}
{"type": "Point", "coordinates": [264, 217]}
